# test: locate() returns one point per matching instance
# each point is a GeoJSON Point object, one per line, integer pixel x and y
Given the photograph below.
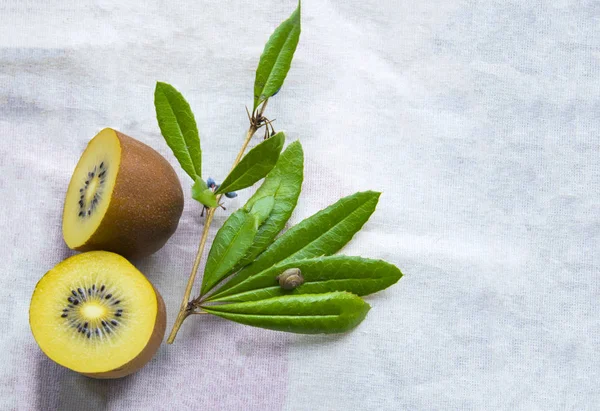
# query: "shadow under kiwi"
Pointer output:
{"type": "Point", "coordinates": [59, 388]}
{"type": "Point", "coordinates": [65, 252]}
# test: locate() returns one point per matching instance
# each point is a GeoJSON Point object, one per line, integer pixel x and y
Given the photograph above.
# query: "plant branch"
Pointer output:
{"type": "Point", "coordinates": [256, 121]}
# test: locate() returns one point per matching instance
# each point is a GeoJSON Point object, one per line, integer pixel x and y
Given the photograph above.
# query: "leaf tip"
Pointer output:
{"type": "Point", "coordinates": [371, 194]}
{"type": "Point", "coordinates": [367, 307]}
{"type": "Point", "coordinates": [297, 16]}
{"type": "Point", "coordinates": [296, 145]}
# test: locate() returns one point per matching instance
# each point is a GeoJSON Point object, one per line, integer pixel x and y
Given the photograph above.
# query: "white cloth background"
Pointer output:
{"type": "Point", "coordinates": [479, 121]}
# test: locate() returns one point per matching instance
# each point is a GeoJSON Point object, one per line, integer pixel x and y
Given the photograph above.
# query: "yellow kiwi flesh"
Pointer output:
{"type": "Point", "coordinates": [96, 314]}
{"type": "Point", "coordinates": [84, 210]}
{"type": "Point", "coordinates": [123, 197]}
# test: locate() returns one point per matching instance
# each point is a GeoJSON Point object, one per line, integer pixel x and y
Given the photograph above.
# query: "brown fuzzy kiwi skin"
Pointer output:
{"type": "Point", "coordinates": [145, 206]}
{"type": "Point", "coordinates": [147, 353]}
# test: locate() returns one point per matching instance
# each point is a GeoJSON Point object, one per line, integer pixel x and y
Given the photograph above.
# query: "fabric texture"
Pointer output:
{"type": "Point", "coordinates": [478, 120]}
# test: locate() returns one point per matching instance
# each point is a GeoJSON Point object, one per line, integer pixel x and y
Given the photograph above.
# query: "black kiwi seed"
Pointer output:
{"type": "Point", "coordinates": [92, 328]}
{"type": "Point", "coordinates": [86, 209]}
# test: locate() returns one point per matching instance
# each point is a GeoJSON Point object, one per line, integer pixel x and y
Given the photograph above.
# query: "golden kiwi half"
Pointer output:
{"type": "Point", "coordinates": [123, 197]}
{"type": "Point", "coordinates": [96, 314]}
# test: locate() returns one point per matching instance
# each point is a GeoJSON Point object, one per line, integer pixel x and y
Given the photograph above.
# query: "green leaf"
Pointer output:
{"type": "Point", "coordinates": [274, 201]}
{"type": "Point", "coordinates": [203, 194]}
{"type": "Point", "coordinates": [255, 165]}
{"type": "Point", "coordinates": [230, 244]}
{"type": "Point", "coordinates": [328, 313]}
{"type": "Point", "coordinates": [324, 233]}
{"type": "Point", "coordinates": [262, 209]}
{"type": "Point", "coordinates": [178, 127]}
{"type": "Point", "coordinates": [357, 275]}
{"type": "Point", "coordinates": [284, 183]}
{"type": "Point", "coordinates": [276, 58]}
{"type": "Point", "coordinates": [233, 240]}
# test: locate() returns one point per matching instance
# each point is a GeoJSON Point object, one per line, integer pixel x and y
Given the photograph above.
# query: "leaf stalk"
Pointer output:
{"type": "Point", "coordinates": [187, 306]}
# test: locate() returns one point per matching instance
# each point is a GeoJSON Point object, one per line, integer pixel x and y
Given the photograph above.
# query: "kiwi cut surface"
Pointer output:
{"type": "Point", "coordinates": [96, 314]}
{"type": "Point", "coordinates": [123, 197]}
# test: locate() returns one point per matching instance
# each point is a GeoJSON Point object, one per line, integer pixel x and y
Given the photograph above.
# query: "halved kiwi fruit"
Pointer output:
{"type": "Point", "coordinates": [123, 197]}
{"type": "Point", "coordinates": [96, 314]}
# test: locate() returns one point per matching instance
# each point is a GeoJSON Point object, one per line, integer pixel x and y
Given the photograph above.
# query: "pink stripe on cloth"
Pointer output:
{"type": "Point", "coordinates": [213, 365]}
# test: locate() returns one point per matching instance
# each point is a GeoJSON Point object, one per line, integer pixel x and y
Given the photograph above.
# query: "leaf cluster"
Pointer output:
{"type": "Point", "coordinates": [248, 252]}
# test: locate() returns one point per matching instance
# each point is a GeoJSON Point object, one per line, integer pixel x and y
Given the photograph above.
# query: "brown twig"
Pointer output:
{"type": "Point", "coordinates": [187, 307]}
